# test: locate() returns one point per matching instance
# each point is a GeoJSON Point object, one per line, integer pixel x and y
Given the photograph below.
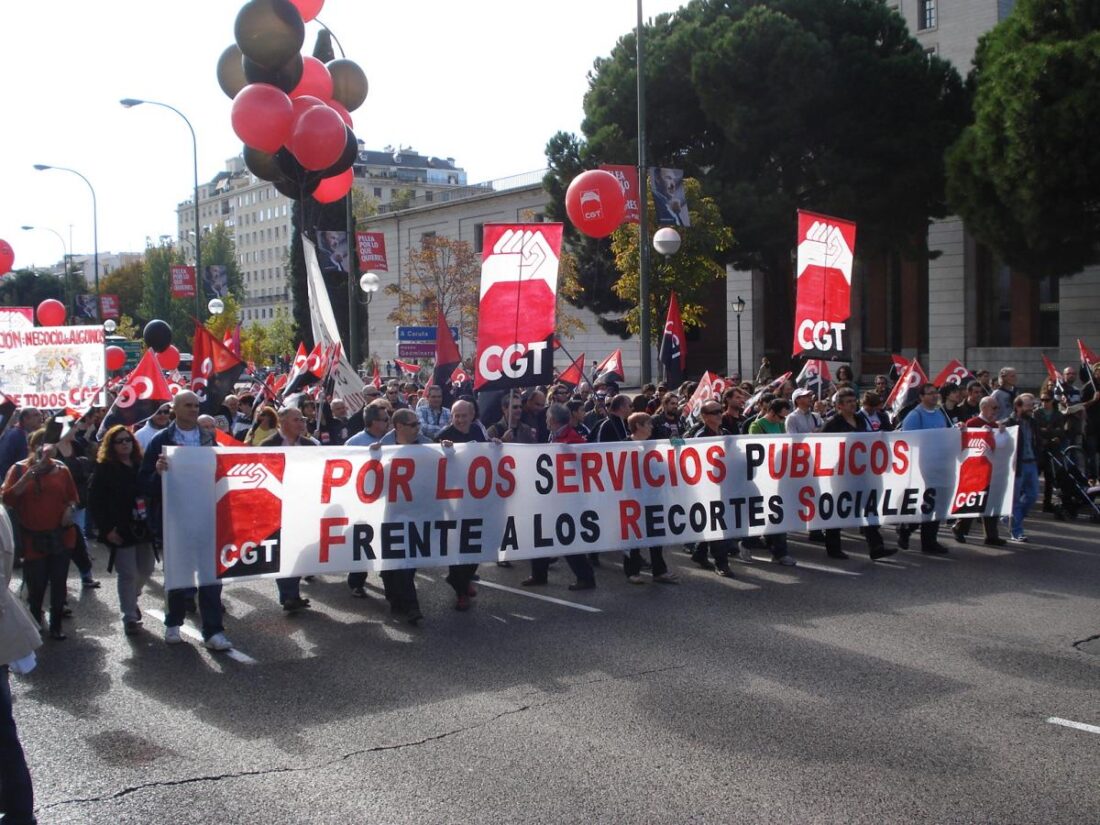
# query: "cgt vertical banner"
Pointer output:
{"type": "Point", "coordinates": [519, 283]}
{"type": "Point", "coordinates": [826, 250]}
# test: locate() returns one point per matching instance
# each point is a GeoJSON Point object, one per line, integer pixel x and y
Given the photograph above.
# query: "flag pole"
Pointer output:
{"type": "Point", "coordinates": [569, 355]}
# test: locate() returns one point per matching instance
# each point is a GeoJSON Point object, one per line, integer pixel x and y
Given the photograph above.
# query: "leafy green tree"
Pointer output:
{"type": "Point", "coordinates": [1025, 176]}
{"type": "Point", "coordinates": [127, 282]}
{"type": "Point", "coordinates": [776, 105]}
{"type": "Point", "coordinates": [156, 297]}
{"type": "Point", "coordinates": [689, 273]}
{"type": "Point", "coordinates": [219, 248]}
{"type": "Point", "coordinates": [441, 275]}
{"type": "Point", "coordinates": [27, 288]}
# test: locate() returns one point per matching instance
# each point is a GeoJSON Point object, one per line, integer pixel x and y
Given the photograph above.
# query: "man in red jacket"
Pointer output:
{"type": "Point", "coordinates": [559, 421]}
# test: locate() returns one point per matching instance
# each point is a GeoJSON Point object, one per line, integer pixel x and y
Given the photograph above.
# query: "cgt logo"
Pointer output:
{"type": "Point", "coordinates": [248, 491]}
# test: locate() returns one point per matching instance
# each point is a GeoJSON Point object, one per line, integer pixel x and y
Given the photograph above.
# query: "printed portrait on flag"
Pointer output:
{"type": "Point", "coordinates": [85, 307]}
{"type": "Point", "coordinates": [215, 281]}
{"type": "Point", "coordinates": [332, 252]}
{"type": "Point", "coordinates": [669, 200]}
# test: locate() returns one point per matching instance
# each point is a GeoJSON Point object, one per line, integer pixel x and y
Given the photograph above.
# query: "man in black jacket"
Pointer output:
{"type": "Point", "coordinates": [183, 432]}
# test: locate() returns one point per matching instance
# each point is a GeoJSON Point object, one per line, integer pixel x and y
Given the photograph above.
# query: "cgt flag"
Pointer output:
{"type": "Point", "coordinates": [673, 352]}
{"type": "Point", "coordinates": [214, 375]}
{"type": "Point", "coordinates": [1089, 360]}
{"type": "Point", "coordinates": [953, 373]}
{"type": "Point", "coordinates": [307, 373]}
{"type": "Point", "coordinates": [611, 368]}
{"type": "Point", "coordinates": [906, 393]}
{"type": "Point", "coordinates": [519, 283]}
{"type": "Point", "coordinates": [814, 375]}
{"type": "Point", "coordinates": [144, 390]}
{"type": "Point", "coordinates": [826, 248]}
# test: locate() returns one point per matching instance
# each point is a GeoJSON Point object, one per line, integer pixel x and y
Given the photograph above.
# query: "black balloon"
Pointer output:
{"type": "Point", "coordinates": [286, 77]}
{"type": "Point", "coordinates": [347, 160]}
{"type": "Point", "coordinates": [269, 32]}
{"type": "Point", "coordinates": [296, 181]}
{"type": "Point", "coordinates": [349, 83]}
{"type": "Point", "coordinates": [262, 164]}
{"type": "Point", "coordinates": [157, 336]}
{"type": "Point", "coordinates": [230, 73]}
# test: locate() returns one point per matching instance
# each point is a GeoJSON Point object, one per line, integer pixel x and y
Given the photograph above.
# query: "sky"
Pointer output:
{"type": "Point", "coordinates": [486, 82]}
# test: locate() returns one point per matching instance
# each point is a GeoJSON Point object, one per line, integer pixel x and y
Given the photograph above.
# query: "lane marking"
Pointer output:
{"type": "Point", "coordinates": [191, 633]}
{"type": "Point", "coordinates": [1066, 723]}
{"type": "Point", "coordinates": [539, 596]}
{"type": "Point", "coordinates": [809, 565]}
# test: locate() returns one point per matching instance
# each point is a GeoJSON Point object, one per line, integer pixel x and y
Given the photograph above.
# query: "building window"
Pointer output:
{"type": "Point", "coordinates": [378, 191]}
{"type": "Point", "coordinates": [479, 237]}
{"type": "Point", "coordinates": [926, 14]}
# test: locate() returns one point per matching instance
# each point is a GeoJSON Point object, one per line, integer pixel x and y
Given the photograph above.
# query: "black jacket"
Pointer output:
{"type": "Point", "coordinates": [112, 496]}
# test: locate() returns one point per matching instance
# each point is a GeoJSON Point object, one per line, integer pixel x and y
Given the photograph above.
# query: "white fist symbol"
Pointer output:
{"type": "Point", "coordinates": [825, 246]}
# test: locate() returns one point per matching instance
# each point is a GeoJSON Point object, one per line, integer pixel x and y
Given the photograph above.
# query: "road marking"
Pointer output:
{"type": "Point", "coordinates": [1066, 723]}
{"type": "Point", "coordinates": [191, 633]}
{"type": "Point", "coordinates": [540, 597]}
{"type": "Point", "coordinates": [809, 565]}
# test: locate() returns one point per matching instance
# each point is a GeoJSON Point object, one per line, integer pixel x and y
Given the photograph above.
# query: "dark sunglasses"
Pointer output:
{"type": "Point", "coordinates": [123, 440]}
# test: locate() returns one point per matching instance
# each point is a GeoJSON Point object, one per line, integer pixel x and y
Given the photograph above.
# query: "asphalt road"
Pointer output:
{"type": "Point", "coordinates": [912, 691]}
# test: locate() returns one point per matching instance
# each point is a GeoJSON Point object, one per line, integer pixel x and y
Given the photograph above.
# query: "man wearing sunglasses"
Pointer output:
{"type": "Point", "coordinates": [157, 422]}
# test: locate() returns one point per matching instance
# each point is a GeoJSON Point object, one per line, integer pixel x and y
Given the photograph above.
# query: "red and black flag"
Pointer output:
{"type": "Point", "coordinates": [953, 373]}
{"type": "Point", "coordinates": [306, 374]}
{"type": "Point", "coordinates": [1089, 360]}
{"type": "Point", "coordinates": [906, 393]}
{"type": "Point", "coordinates": [144, 390]}
{"type": "Point", "coordinates": [447, 358]}
{"type": "Point", "coordinates": [214, 376]}
{"type": "Point", "coordinates": [673, 352]}
{"type": "Point", "coordinates": [460, 376]}
{"type": "Point", "coordinates": [611, 368]}
{"type": "Point", "coordinates": [574, 373]}
{"type": "Point", "coordinates": [826, 249]}
{"type": "Point", "coordinates": [814, 375]}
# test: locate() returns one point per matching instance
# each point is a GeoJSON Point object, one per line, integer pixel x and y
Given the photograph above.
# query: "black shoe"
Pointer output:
{"type": "Point", "coordinates": [359, 592]}
{"type": "Point", "coordinates": [66, 611]}
{"type": "Point", "coordinates": [725, 573]}
{"type": "Point", "coordinates": [817, 535]}
{"type": "Point", "coordinates": [583, 585]}
{"type": "Point", "coordinates": [58, 636]}
{"type": "Point", "coordinates": [131, 628]}
{"type": "Point", "coordinates": [701, 560]}
{"type": "Point", "coordinates": [960, 536]}
{"type": "Point", "coordinates": [903, 540]}
{"type": "Point", "coordinates": [936, 549]}
{"type": "Point", "coordinates": [504, 564]}
{"type": "Point", "coordinates": [879, 551]}
{"type": "Point", "coordinates": [531, 581]}
{"type": "Point", "coordinates": [836, 554]}
{"type": "Point", "coordinates": [89, 584]}
{"type": "Point", "coordinates": [996, 542]}
{"type": "Point", "coordinates": [295, 604]}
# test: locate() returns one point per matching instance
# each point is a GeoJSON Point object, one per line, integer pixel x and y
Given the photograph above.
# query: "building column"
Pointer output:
{"type": "Point", "coordinates": [741, 283]}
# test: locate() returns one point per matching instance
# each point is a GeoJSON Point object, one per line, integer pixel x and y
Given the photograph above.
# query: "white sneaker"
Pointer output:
{"type": "Point", "coordinates": [172, 636]}
{"type": "Point", "coordinates": [218, 642]}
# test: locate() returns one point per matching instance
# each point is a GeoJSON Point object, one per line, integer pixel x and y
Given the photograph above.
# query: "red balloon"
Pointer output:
{"type": "Point", "coordinates": [308, 8]}
{"type": "Point", "coordinates": [51, 313]}
{"type": "Point", "coordinates": [318, 138]}
{"type": "Point", "coordinates": [116, 358]}
{"type": "Point", "coordinates": [342, 111]}
{"type": "Point", "coordinates": [302, 102]}
{"type": "Point", "coordinates": [170, 358]}
{"type": "Point", "coordinates": [595, 203]}
{"type": "Point", "coordinates": [262, 116]}
{"type": "Point", "coordinates": [7, 257]}
{"type": "Point", "coordinates": [316, 80]}
{"type": "Point", "coordinates": [334, 188]}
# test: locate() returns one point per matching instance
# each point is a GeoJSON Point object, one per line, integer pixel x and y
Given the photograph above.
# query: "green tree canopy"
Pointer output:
{"type": "Point", "coordinates": [127, 282]}
{"type": "Point", "coordinates": [1025, 176]}
{"type": "Point", "coordinates": [776, 105]}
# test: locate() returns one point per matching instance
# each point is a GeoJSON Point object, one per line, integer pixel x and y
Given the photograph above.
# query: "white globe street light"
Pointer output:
{"type": "Point", "coordinates": [370, 282]}
{"type": "Point", "coordinates": [666, 240]}
{"type": "Point", "coordinates": [109, 326]}
{"type": "Point", "coordinates": [216, 306]}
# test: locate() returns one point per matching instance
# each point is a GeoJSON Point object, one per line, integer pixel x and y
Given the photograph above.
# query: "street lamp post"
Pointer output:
{"type": "Point", "coordinates": [41, 167]}
{"type": "Point", "coordinates": [643, 217]}
{"type": "Point", "coordinates": [65, 259]}
{"type": "Point", "coordinates": [129, 103]}
{"type": "Point", "coordinates": [738, 308]}
{"type": "Point", "coordinates": [369, 284]}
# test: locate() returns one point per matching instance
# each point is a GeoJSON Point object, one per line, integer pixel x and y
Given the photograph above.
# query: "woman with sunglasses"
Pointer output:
{"type": "Point", "coordinates": [265, 426]}
{"type": "Point", "coordinates": [120, 515]}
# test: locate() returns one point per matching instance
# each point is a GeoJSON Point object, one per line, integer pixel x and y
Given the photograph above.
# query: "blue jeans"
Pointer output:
{"type": "Point", "coordinates": [210, 607]}
{"type": "Point", "coordinates": [16, 794]}
{"type": "Point", "coordinates": [1025, 493]}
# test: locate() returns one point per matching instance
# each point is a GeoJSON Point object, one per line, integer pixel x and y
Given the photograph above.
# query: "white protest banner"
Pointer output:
{"type": "Point", "coordinates": [240, 513]}
{"type": "Point", "coordinates": [52, 367]}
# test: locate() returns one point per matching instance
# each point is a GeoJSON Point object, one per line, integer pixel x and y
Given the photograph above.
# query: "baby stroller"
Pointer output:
{"type": "Point", "coordinates": [1074, 494]}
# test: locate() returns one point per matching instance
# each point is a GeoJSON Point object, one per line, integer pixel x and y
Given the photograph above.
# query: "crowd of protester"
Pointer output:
{"type": "Point", "coordinates": [105, 487]}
